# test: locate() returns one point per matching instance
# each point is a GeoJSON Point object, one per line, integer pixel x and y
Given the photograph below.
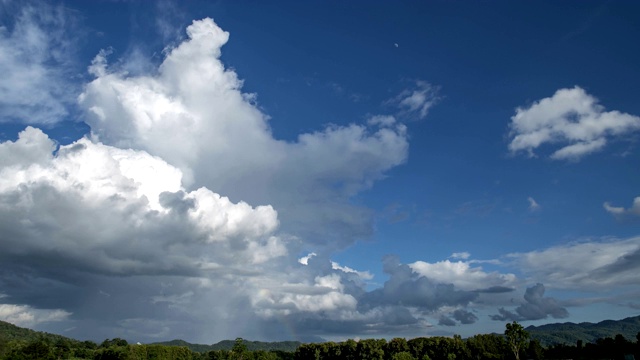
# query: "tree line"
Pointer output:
{"type": "Point", "coordinates": [514, 344]}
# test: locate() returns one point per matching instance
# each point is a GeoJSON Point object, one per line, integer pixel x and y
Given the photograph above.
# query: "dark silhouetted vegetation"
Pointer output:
{"type": "Point", "coordinates": [22, 344]}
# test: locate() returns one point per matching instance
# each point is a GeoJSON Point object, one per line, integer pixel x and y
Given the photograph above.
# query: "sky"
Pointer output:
{"type": "Point", "coordinates": [317, 170]}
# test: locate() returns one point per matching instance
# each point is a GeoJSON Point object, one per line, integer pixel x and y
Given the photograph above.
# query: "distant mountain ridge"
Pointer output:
{"type": "Point", "coordinates": [288, 346]}
{"type": "Point", "coordinates": [569, 333]}
{"type": "Point", "coordinates": [558, 333]}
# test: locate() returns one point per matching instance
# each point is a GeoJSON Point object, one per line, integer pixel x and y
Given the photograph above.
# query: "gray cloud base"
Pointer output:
{"type": "Point", "coordinates": [535, 307]}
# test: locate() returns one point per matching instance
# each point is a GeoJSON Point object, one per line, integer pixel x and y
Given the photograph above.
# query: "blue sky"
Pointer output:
{"type": "Point", "coordinates": [317, 170]}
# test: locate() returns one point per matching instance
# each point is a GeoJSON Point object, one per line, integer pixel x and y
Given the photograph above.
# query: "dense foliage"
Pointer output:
{"type": "Point", "coordinates": [11, 332]}
{"type": "Point", "coordinates": [479, 347]}
{"type": "Point", "coordinates": [23, 344]}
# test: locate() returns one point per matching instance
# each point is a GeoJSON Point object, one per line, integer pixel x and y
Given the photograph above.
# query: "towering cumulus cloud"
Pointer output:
{"type": "Point", "coordinates": [193, 114]}
{"type": "Point", "coordinates": [181, 215]}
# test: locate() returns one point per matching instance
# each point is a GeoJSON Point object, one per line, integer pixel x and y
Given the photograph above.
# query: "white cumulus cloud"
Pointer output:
{"type": "Point", "coordinates": [461, 274]}
{"type": "Point", "coordinates": [570, 118]}
{"type": "Point", "coordinates": [116, 225]}
{"type": "Point", "coordinates": [325, 294]}
{"type": "Point", "coordinates": [93, 200]}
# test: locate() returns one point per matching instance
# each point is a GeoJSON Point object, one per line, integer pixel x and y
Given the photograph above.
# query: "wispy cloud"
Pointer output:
{"type": "Point", "coordinates": [416, 102]}
{"type": "Point", "coordinates": [37, 64]}
{"type": "Point", "coordinates": [365, 275]}
{"type": "Point", "coordinates": [461, 255]}
{"type": "Point", "coordinates": [533, 205]}
{"type": "Point", "coordinates": [564, 267]}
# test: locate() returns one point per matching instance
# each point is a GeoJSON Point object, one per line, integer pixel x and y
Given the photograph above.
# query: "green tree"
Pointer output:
{"type": "Point", "coordinates": [331, 351]}
{"type": "Point", "coordinates": [308, 351]}
{"type": "Point", "coordinates": [517, 338]}
{"type": "Point", "coordinates": [239, 350]}
{"type": "Point", "coordinates": [37, 349]}
{"type": "Point", "coordinates": [114, 342]}
{"type": "Point", "coordinates": [419, 347]}
{"type": "Point", "coordinates": [395, 346]}
{"type": "Point", "coordinates": [371, 349]}
{"type": "Point", "coordinates": [264, 355]}
{"type": "Point", "coordinates": [404, 355]}
{"type": "Point", "coordinates": [535, 351]}
{"type": "Point", "coordinates": [218, 355]}
{"type": "Point", "coordinates": [112, 353]}
{"type": "Point", "coordinates": [486, 346]}
{"type": "Point", "coordinates": [349, 349]}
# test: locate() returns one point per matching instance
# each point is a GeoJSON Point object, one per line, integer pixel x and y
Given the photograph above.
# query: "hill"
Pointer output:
{"type": "Point", "coordinates": [10, 332]}
{"type": "Point", "coordinates": [569, 333]}
{"type": "Point", "coordinates": [288, 346]}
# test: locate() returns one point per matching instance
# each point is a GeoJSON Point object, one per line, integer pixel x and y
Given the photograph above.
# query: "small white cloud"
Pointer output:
{"type": "Point", "coordinates": [365, 275]}
{"type": "Point", "coordinates": [305, 259]}
{"type": "Point", "coordinates": [533, 205]}
{"type": "Point", "coordinates": [613, 209]}
{"type": "Point", "coordinates": [396, 44]}
{"type": "Point", "coordinates": [634, 210]}
{"type": "Point", "coordinates": [98, 65]}
{"type": "Point", "coordinates": [570, 117]}
{"type": "Point", "coordinates": [460, 255]}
